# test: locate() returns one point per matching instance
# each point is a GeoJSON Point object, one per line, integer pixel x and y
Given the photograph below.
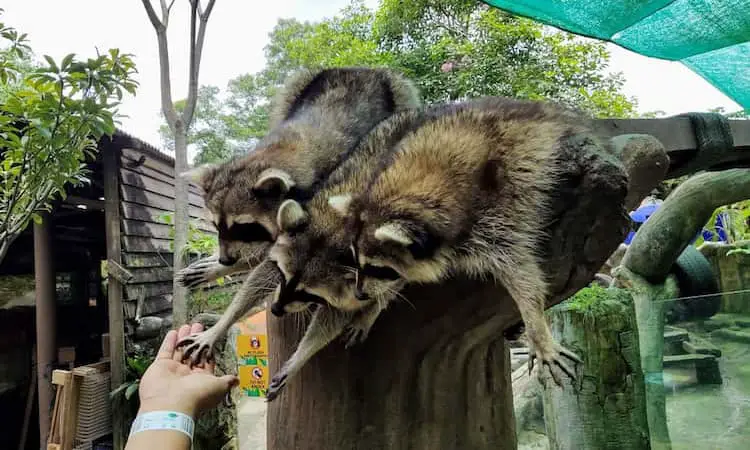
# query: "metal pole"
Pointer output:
{"type": "Point", "coordinates": [44, 276]}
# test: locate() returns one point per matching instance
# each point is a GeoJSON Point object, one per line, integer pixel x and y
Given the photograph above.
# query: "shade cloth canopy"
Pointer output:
{"type": "Point", "coordinates": [711, 37]}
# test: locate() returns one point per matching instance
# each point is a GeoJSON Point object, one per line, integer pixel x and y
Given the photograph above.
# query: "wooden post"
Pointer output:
{"type": "Point", "coordinates": [44, 277]}
{"type": "Point", "coordinates": [435, 372]}
{"type": "Point", "coordinates": [431, 376]}
{"type": "Point", "coordinates": [606, 407]}
{"type": "Point", "coordinates": [111, 160]}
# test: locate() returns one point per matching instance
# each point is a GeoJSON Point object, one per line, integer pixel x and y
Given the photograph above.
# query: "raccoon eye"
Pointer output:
{"type": "Point", "coordinates": [248, 232]}
{"type": "Point", "coordinates": [383, 273]}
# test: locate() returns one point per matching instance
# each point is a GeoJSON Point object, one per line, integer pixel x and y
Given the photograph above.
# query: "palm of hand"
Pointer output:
{"type": "Point", "coordinates": [169, 381]}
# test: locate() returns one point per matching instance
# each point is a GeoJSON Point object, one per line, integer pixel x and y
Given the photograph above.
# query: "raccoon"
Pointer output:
{"type": "Point", "coordinates": [319, 119]}
{"type": "Point", "coordinates": [464, 193]}
{"type": "Point", "coordinates": [314, 248]}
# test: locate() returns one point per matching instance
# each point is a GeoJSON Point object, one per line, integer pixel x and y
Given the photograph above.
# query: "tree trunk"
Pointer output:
{"type": "Point", "coordinates": [181, 221]}
{"type": "Point", "coordinates": [434, 372]}
{"type": "Point", "coordinates": [648, 262]}
{"type": "Point", "coordinates": [679, 219]}
{"type": "Point", "coordinates": [606, 408]}
{"type": "Point", "coordinates": [431, 376]}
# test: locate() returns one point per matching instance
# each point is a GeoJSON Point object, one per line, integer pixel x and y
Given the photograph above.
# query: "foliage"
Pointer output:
{"type": "Point", "coordinates": [452, 49]}
{"type": "Point", "coordinates": [199, 243]}
{"type": "Point", "coordinates": [227, 126]}
{"type": "Point", "coordinates": [593, 299]}
{"type": "Point", "coordinates": [735, 223]}
{"type": "Point", "coordinates": [125, 395]}
{"type": "Point", "coordinates": [50, 121]}
{"type": "Point", "coordinates": [741, 114]}
{"type": "Point", "coordinates": [14, 286]}
{"type": "Point", "coordinates": [211, 300]}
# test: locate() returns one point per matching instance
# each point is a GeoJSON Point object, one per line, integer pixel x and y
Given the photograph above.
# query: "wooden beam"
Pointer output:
{"type": "Point", "coordinates": [678, 138]}
{"type": "Point", "coordinates": [114, 290]}
{"type": "Point", "coordinates": [120, 273]}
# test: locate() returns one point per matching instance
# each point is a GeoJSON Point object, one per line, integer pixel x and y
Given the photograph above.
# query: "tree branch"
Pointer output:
{"type": "Point", "coordinates": [665, 234]}
{"type": "Point", "coordinates": [198, 20]}
{"type": "Point", "coordinates": [152, 15]}
{"type": "Point", "coordinates": [167, 107]}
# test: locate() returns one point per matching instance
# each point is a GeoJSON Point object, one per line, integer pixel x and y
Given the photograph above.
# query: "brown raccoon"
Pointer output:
{"type": "Point", "coordinates": [465, 193]}
{"type": "Point", "coordinates": [319, 119]}
{"type": "Point", "coordinates": [313, 247]}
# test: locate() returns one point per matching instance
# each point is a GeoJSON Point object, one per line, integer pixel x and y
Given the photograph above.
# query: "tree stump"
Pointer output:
{"type": "Point", "coordinates": [434, 372]}
{"type": "Point", "coordinates": [606, 407]}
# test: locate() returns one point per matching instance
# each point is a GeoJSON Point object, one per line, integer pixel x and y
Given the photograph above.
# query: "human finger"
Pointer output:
{"type": "Point", "coordinates": [216, 390]}
{"type": "Point", "coordinates": [183, 332]}
{"type": "Point", "coordinates": [197, 327]}
{"type": "Point", "coordinates": [167, 349]}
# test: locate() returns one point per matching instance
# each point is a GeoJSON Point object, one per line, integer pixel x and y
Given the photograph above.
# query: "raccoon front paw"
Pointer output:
{"type": "Point", "coordinates": [278, 382]}
{"type": "Point", "coordinates": [198, 347]}
{"type": "Point", "coordinates": [551, 356]}
{"type": "Point", "coordinates": [197, 273]}
{"type": "Point", "coordinates": [355, 334]}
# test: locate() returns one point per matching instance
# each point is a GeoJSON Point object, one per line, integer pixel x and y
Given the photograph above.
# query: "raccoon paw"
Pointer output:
{"type": "Point", "coordinates": [196, 274]}
{"type": "Point", "coordinates": [354, 335]}
{"type": "Point", "coordinates": [551, 358]}
{"type": "Point", "coordinates": [278, 382]}
{"type": "Point", "coordinates": [198, 347]}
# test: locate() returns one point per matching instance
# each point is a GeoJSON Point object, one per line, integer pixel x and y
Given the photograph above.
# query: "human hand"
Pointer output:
{"type": "Point", "coordinates": [168, 384]}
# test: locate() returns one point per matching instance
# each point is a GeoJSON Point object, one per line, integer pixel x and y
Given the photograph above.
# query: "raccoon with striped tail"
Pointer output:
{"type": "Point", "coordinates": [319, 118]}
{"type": "Point", "coordinates": [461, 194]}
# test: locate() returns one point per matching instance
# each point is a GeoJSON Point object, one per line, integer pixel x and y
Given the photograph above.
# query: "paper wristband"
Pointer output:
{"type": "Point", "coordinates": [164, 420]}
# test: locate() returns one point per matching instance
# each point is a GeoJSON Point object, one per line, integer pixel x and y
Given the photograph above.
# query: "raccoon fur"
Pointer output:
{"type": "Point", "coordinates": [463, 193]}
{"type": "Point", "coordinates": [312, 247]}
{"type": "Point", "coordinates": [314, 252]}
{"type": "Point", "coordinates": [319, 118]}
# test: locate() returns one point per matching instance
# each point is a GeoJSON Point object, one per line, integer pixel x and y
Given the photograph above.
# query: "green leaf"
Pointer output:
{"type": "Point", "coordinates": [132, 389]}
{"type": "Point", "coordinates": [66, 61]}
{"type": "Point", "coordinates": [36, 218]}
{"type": "Point", "coordinates": [52, 65]}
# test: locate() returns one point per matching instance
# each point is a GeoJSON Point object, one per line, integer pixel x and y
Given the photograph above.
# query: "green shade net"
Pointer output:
{"type": "Point", "coordinates": [711, 37]}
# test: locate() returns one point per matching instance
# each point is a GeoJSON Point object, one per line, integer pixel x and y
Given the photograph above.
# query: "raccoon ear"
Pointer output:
{"type": "Point", "coordinates": [291, 215]}
{"type": "Point", "coordinates": [199, 175]}
{"type": "Point", "coordinates": [395, 233]}
{"type": "Point", "coordinates": [340, 203]}
{"type": "Point", "coordinates": [273, 180]}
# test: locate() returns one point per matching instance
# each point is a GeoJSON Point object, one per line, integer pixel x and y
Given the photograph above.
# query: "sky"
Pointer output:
{"type": "Point", "coordinates": [236, 35]}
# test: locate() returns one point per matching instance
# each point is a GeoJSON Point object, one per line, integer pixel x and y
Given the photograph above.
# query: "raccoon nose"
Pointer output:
{"type": "Point", "coordinates": [227, 260]}
{"type": "Point", "coordinates": [361, 295]}
{"type": "Point", "coordinates": [277, 309]}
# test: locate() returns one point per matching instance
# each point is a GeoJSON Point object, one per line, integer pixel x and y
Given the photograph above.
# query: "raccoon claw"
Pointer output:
{"type": "Point", "coordinates": [228, 400]}
{"type": "Point", "coordinates": [354, 335]}
{"type": "Point", "coordinates": [278, 382]}
{"type": "Point", "coordinates": [196, 274]}
{"type": "Point", "coordinates": [198, 347]}
{"type": "Point", "coordinates": [551, 358]}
